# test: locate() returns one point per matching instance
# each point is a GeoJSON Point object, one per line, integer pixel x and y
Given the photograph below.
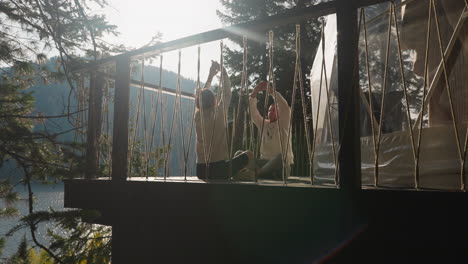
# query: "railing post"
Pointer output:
{"type": "Point", "coordinates": [121, 120]}
{"type": "Point", "coordinates": [94, 124]}
{"type": "Point", "coordinates": [349, 156]}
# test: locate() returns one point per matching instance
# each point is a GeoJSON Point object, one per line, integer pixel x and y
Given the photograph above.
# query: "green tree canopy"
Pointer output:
{"type": "Point", "coordinates": [29, 31]}
{"type": "Point", "coordinates": [284, 42]}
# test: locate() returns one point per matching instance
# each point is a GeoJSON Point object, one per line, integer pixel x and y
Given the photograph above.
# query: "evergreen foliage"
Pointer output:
{"type": "Point", "coordinates": [28, 31]}
{"type": "Point", "coordinates": [284, 43]}
{"type": "Point", "coordinates": [284, 57]}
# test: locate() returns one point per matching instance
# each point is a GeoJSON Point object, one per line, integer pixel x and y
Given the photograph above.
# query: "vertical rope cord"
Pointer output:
{"type": "Point", "coordinates": [435, 80]}
{"type": "Point", "coordinates": [202, 121]}
{"type": "Point", "coordinates": [99, 139]}
{"type": "Point", "coordinates": [373, 122]}
{"type": "Point", "coordinates": [265, 101]}
{"type": "Point", "coordinates": [449, 93]}
{"type": "Point", "coordinates": [271, 81]}
{"type": "Point", "coordinates": [244, 88]}
{"type": "Point", "coordinates": [304, 171]}
{"type": "Point", "coordinates": [197, 88]}
{"type": "Point", "coordinates": [250, 137]}
{"type": "Point", "coordinates": [75, 121]}
{"type": "Point", "coordinates": [78, 103]}
{"type": "Point", "coordinates": [242, 93]}
{"type": "Point", "coordinates": [154, 119]}
{"type": "Point", "coordinates": [225, 113]}
{"type": "Point", "coordinates": [465, 149]}
{"type": "Point", "coordinates": [366, 101]}
{"type": "Point", "coordinates": [233, 130]}
{"type": "Point", "coordinates": [251, 140]}
{"type": "Point", "coordinates": [102, 156]}
{"type": "Point", "coordinates": [330, 123]}
{"type": "Point", "coordinates": [437, 75]}
{"type": "Point", "coordinates": [83, 111]}
{"type": "Point", "coordinates": [314, 142]}
{"type": "Point", "coordinates": [109, 131]}
{"type": "Point", "coordinates": [174, 117]}
{"type": "Point", "coordinates": [298, 71]}
{"type": "Point", "coordinates": [178, 135]}
{"type": "Point", "coordinates": [215, 115]}
{"type": "Point", "coordinates": [245, 139]}
{"type": "Point", "coordinates": [219, 96]}
{"type": "Point", "coordinates": [105, 123]}
{"type": "Point", "coordinates": [145, 134]}
{"type": "Point", "coordinates": [181, 119]}
{"type": "Point", "coordinates": [163, 111]}
{"type": "Point", "coordinates": [423, 99]}
{"type": "Point", "coordinates": [403, 79]}
{"type": "Point", "coordinates": [382, 105]}
{"type": "Point", "coordinates": [463, 185]}
{"type": "Point", "coordinates": [135, 129]}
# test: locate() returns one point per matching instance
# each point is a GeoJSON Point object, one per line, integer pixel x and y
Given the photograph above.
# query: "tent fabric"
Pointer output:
{"type": "Point", "coordinates": [439, 166]}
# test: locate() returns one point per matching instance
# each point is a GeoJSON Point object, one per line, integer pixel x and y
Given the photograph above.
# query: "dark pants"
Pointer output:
{"type": "Point", "coordinates": [271, 169]}
{"type": "Point", "coordinates": [219, 170]}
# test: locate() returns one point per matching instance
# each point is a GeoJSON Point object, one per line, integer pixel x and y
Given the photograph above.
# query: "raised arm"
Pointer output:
{"type": "Point", "coordinates": [283, 109]}
{"type": "Point", "coordinates": [227, 94]}
{"type": "Point", "coordinates": [214, 69]}
{"type": "Point", "coordinates": [255, 115]}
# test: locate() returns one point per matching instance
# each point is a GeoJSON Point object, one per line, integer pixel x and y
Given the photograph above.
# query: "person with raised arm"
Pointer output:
{"type": "Point", "coordinates": [211, 140]}
{"type": "Point", "coordinates": [274, 139]}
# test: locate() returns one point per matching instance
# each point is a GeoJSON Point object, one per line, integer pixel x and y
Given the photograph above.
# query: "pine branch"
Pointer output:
{"type": "Point", "coordinates": [32, 225]}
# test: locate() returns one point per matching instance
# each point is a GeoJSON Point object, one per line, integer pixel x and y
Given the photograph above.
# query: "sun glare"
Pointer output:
{"type": "Point", "coordinates": [139, 20]}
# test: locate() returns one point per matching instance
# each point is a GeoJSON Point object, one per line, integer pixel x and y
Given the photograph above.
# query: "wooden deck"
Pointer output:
{"type": "Point", "coordinates": [293, 181]}
{"type": "Point", "coordinates": [175, 221]}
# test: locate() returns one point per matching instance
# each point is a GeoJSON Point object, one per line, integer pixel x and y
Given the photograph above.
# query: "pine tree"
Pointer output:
{"type": "Point", "coordinates": [28, 30]}
{"type": "Point", "coordinates": [284, 42]}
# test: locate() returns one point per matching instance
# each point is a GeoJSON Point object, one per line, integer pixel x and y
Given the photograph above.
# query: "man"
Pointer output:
{"type": "Point", "coordinates": [211, 139]}
{"type": "Point", "coordinates": [275, 131]}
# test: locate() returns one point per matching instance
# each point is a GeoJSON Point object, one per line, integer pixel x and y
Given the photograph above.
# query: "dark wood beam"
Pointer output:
{"type": "Point", "coordinates": [248, 29]}
{"type": "Point", "coordinates": [154, 87]}
{"type": "Point", "coordinates": [121, 118]}
{"type": "Point", "coordinates": [94, 124]}
{"type": "Point", "coordinates": [349, 155]}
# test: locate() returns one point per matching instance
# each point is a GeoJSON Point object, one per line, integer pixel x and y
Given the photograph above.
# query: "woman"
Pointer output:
{"type": "Point", "coordinates": [211, 139]}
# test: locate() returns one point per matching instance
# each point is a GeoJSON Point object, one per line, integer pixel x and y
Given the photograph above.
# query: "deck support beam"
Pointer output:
{"type": "Point", "coordinates": [349, 155]}
{"type": "Point", "coordinates": [121, 120]}
{"type": "Point", "coordinates": [94, 124]}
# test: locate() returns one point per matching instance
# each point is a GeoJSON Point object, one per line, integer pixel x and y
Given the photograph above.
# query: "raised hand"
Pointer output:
{"type": "Point", "coordinates": [214, 69]}
{"type": "Point", "coordinates": [261, 86]}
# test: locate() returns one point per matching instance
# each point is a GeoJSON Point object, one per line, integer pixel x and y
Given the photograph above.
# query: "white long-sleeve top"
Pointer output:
{"type": "Point", "coordinates": [214, 131]}
{"type": "Point", "coordinates": [270, 145]}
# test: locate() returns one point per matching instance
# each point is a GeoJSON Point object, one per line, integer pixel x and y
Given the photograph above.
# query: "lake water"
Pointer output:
{"type": "Point", "coordinates": [46, 196]}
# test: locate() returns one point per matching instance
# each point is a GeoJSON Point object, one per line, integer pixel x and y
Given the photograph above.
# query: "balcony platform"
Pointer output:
{"type": "Point", "coordinates": [194, 222]}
